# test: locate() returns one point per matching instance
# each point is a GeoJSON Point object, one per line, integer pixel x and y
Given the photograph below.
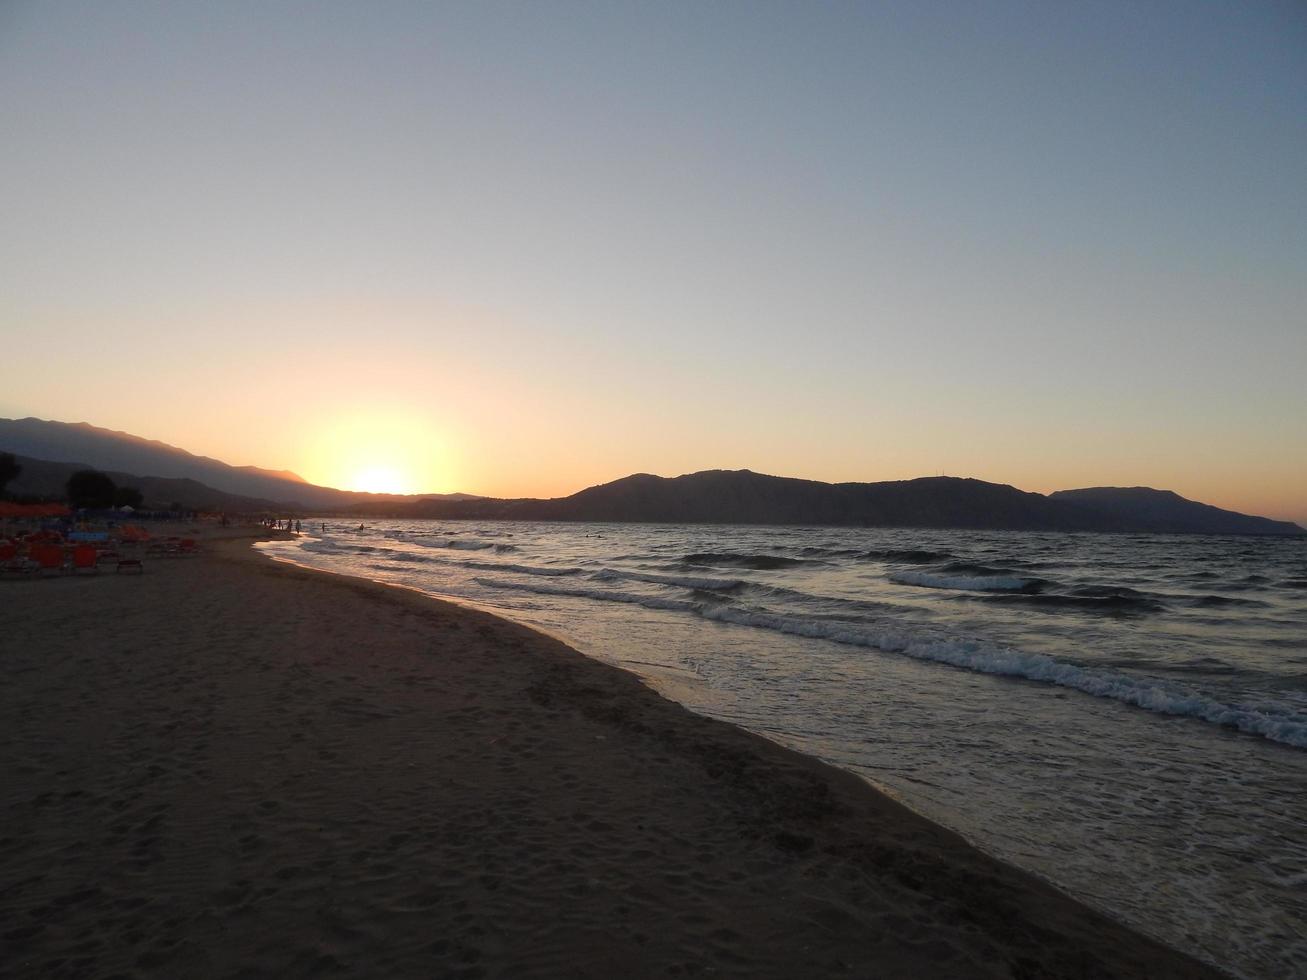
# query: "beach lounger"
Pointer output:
{"type": "Point", "coordinates": [131, 565]}
{"type": "Point", "coordinates": [11, 563]}
{"type": "Point", "coordinates": [49, 558]}
{"type": "Point", "coordinates": [85, 558]}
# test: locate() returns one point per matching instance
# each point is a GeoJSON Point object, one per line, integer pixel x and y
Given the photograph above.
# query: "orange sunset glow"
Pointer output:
{"type": "Point", "coordinates": [778, 490]}
{"type": "Point", "coordinates": [378, 452]}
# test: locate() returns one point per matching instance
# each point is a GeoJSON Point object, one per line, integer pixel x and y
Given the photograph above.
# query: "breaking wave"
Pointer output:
{"type": "Point", "coordinates": [974, 655]}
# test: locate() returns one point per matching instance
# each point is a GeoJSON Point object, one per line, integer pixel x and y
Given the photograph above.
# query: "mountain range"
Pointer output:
{"type": "Point", "coordinates": [50, 451]}
{"type": "Point", "coordinates": [744, 497]}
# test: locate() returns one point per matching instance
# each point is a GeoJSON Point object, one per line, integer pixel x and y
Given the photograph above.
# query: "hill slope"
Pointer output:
{"type": "Point", "coordinates": [105, 449]}
{"type": "Point", "coordinates": [43, 478]}
{"type": "Point", "coordinates": [1165, 510]}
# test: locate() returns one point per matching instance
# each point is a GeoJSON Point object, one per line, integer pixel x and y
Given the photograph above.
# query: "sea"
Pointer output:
{"type": "Point", "coordinates": [1124, 715]}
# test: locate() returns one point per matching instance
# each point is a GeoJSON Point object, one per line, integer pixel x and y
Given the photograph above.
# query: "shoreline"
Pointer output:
{"type": "Point", "coordinates": [311, 770]}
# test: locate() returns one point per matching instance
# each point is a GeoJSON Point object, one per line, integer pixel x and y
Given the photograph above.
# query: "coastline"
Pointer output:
{"type": "Point", "coordinates": [235, 764]}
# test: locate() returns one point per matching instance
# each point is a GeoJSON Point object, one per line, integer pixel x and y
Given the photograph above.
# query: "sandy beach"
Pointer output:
{"type": "Point", "coordinates": [233, 767]}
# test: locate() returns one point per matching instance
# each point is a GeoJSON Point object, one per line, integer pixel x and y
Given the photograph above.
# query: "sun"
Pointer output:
{"type": "Point", "coordinates": [378, 451]}
{"type": "Point", "coordinates": [380, 479]}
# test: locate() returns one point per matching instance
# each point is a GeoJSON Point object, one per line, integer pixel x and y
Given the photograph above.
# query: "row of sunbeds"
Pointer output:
{"type": "Point", "coordinates": [50, 553]}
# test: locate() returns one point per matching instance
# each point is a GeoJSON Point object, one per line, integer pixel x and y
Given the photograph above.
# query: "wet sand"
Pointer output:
{"type": "Point", "coordinates": [232, 767]}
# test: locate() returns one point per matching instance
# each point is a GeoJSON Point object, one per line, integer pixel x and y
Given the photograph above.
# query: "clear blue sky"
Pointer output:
{"type": "Point", "coordinates": [553, 243]}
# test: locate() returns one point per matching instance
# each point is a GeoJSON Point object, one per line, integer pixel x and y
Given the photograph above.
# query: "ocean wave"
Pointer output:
{"type": "Point", "coordinates": [970, 583]}
{"type": "Point", "coordinates": [907, 556]}
{"type": "Point", "coordinates": [1024, 564]}
{"type": "Point", "coordinates": [979, 656]}
{"type": "Point", "coordinates": [1113, 591]}
{"type": "Point", "coordinates": [728, 560]}
{"type": "Point", "coordinates": [462, 544]}
{"type": "Point", "coordinates": [1217, 601]}
{"type": "Point", "coordinates": [607, 595]}
{"type": "Point", "coordinates": [975, 568]}
{"type": "Point", "coordinates": [543, 570]}
{"type": "Point", "coordinates": [1053, 601]}
{"type": "Point", "coordinates": [455, 544]}
{"type": "Point", "coordinates": [324, 547]}
{"type": "Point", "coordinates": [681, 581]}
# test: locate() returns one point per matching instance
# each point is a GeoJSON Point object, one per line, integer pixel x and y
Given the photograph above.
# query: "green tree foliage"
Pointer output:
{"type": "Point", "coordinates": [127, 497]}
{"type": "Point", "coordinates": [90, 488]}
{"type": "Point", "coordinates": [9, 470]}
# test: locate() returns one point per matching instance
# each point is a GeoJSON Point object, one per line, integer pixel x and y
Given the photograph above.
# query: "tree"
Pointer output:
{"type": "Point", "coordinates": [90, 488]}
{"type": "Point", "coordinates": [127, 497]}
{"type": "Point", "coordinates": [9, 470]}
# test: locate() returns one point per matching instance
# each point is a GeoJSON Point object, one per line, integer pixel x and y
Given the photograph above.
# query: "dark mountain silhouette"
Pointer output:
{"type": "Point", "coordinates": [1166, 510]}
{"type": "Point", "coordinates": [712, 496]}
{"type": "Point", "coordinates": [744, 497]}
{"type": "Point", "coordinates": [104, 449]}
{"type": "Point", "coordinates": [42, 478]}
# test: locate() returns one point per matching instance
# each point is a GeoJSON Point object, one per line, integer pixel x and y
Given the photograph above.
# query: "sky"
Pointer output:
{"type": "Point", "coordinates": [520, 249]}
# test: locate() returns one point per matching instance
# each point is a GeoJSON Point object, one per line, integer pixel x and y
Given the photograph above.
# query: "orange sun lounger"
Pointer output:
{"type": "Point", "coordinates": [85, 558]}
{"type": "Point", "coordinates": [48, 557]}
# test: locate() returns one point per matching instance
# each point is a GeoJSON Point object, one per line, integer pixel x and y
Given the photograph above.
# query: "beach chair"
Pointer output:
{"type": "Point", "coordinates": [85, 559]}
{"type": "Point", "coordinates": [12, 563]}
{"type": "Point", "coordinates": [49, 558]}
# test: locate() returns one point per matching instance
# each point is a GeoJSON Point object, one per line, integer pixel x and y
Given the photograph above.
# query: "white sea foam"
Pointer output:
{"type": "Point", "coordinates": [975, 655]}
{"type": "Point", "coordinates": [975, 583]}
